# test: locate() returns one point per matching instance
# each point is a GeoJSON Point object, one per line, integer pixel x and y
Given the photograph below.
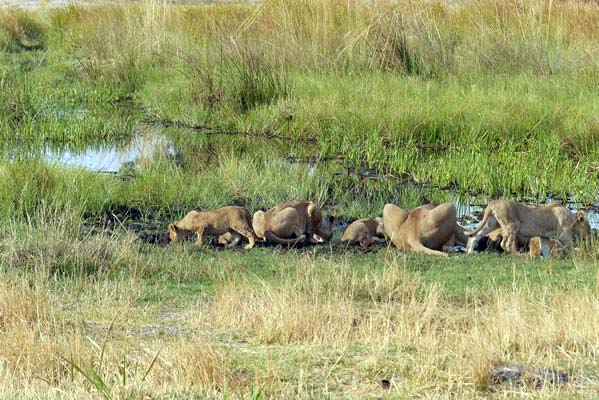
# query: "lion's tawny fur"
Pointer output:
{"type": "Point", "coordinates": [364, 231]}
{"type": "Point", "coordinates": [231, 219]}
{"type": "Point", "coordinates": [523, 222]}
{"type": "Point", "coordinates": [424, 229]}
{"type": "Point", "coordinates": [292, 222]}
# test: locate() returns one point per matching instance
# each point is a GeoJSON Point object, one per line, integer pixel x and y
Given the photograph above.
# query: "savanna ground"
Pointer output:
{"type": "Point", "coordinates": [347, 103]}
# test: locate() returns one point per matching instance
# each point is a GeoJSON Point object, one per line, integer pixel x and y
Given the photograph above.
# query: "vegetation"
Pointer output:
{"type": "Point", "coordinates": [347, 103]}
{"type": "Point", "coordinates": [410, 89]}
{"type": "Point", "coordinates": [106, 315]}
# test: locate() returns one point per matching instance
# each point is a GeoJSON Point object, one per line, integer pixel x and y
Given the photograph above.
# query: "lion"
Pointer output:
{"type": "Point", "coordinates": [533, 247]}
{"type": "Point", "coordinates": [540, 246]}
{"type": "Point", "coordinates": [229, 239]}
{"type": "Point", "coordinates": [495, 237]}
{"type": "Point", "coordinates": [526, 221]}
{"type": "Point", "coordinates": [292, 222]}
{"type": "Point", "coordinates": [427, 229]}
{"type": "Point", "coordinates": [228, 223]}
{"type": "Point", "coordinates": [364, 231]}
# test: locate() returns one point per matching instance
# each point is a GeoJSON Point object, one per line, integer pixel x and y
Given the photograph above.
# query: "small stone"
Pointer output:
{"type": "Point", "coordinates": [517, 375]}
{"type": "Point", "coordinates": [509, 374]}
{"type": "Point", "coordinates": [548, 376]}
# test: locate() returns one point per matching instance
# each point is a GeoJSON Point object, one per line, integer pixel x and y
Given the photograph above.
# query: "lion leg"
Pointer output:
{"type": "Point", "coordinates": [420, 248]}
{"type": "Point", "coordinates": [200, 234]}
{"type": "Point", "coordinates": [539, 246]}
{"type": "Point", "coordinates": [509, 243]}
{"type": "Point", "coordinates": [246, 232]}
{"type": "Point", "coordinates": [298, 231]}
{"type": "Point", "coordinates": [233, 243]}
{"type": "Point", "coordinates": [448, 246]}
{"type": "Point", "coordinates": [273, 238]}
{"type": "Point", "coordinates": [460, 237]}
{"type": "Point", "coordinates": [226, 238]}
{"type": "Point", "coordinates": [314, 219]}
{"type": "Point", "coordinates": [565, 239]}
{"type": "Point", "coordinates": [399, 241]}
{"type": "Point", "coordinates": [229, 239]}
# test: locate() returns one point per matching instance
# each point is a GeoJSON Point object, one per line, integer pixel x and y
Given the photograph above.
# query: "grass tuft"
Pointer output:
{"type": "Point", "coordinates": [21, 30]}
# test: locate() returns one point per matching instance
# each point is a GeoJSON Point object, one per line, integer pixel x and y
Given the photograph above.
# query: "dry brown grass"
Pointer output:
{"type": "Point", "coordinates": [31, 340]}
{"type": "Point", "coordinates": [418, 37]}
{"type": "Point", "coordinates": [451, 349]}
{"type": "Point", "coordinates": [321, 330]}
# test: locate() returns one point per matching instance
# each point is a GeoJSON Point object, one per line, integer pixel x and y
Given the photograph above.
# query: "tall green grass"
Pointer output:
{"type": "Point", "coordinates": [22, 31]}
{"type": "Point", "coordinates": [491, 97]}
{"type": "Point", "coordinates": [416, 38]}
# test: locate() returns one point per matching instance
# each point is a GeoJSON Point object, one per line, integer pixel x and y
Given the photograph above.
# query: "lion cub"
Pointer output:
{"type": "Point", "coordinates": [226, 222]}
{"type": "Point", "coordinates": [364, 231]}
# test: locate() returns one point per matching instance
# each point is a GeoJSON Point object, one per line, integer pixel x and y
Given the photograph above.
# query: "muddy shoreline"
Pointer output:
{"type": "Point", "coordinates": [152, 230]}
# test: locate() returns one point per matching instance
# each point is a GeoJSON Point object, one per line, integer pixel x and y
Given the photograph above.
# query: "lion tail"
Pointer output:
{"type": "Point", "coordinates": [271, 237]}
{"type": "Point", "coordinates": [484, 221]}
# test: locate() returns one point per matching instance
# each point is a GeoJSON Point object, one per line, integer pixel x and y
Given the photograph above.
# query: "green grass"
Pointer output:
{"type": "Point", "coordinates": [282, 100]}
{"type": "Point", "coordinates": [459, 277]}
{"type": "Point", "coordinates": [424, 92]}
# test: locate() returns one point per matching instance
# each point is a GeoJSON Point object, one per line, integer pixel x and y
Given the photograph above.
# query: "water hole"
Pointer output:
{"type": "Point", "coordinates": [121, 157]}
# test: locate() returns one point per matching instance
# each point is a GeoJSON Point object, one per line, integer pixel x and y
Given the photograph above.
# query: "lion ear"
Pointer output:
{"type": "Point", "coordinates": [580, 215]}
{"type": "Point", "coordinates": [172, 227]}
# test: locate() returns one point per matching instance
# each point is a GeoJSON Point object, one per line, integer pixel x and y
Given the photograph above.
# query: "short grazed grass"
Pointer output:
{"type": "Point", "coordinates": [345, 103]}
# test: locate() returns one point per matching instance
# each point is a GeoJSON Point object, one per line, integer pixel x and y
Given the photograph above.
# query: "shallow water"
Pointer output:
{"type": "Point", "coordinates": [101, 156]}
{"type": "Point", "coordinates": [151, 141]}
{"type": "Point", "coordinates": [111, 158]}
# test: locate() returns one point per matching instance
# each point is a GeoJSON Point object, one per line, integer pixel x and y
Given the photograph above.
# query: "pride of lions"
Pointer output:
{"type": "Point", "coordinates": [429, 229]}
